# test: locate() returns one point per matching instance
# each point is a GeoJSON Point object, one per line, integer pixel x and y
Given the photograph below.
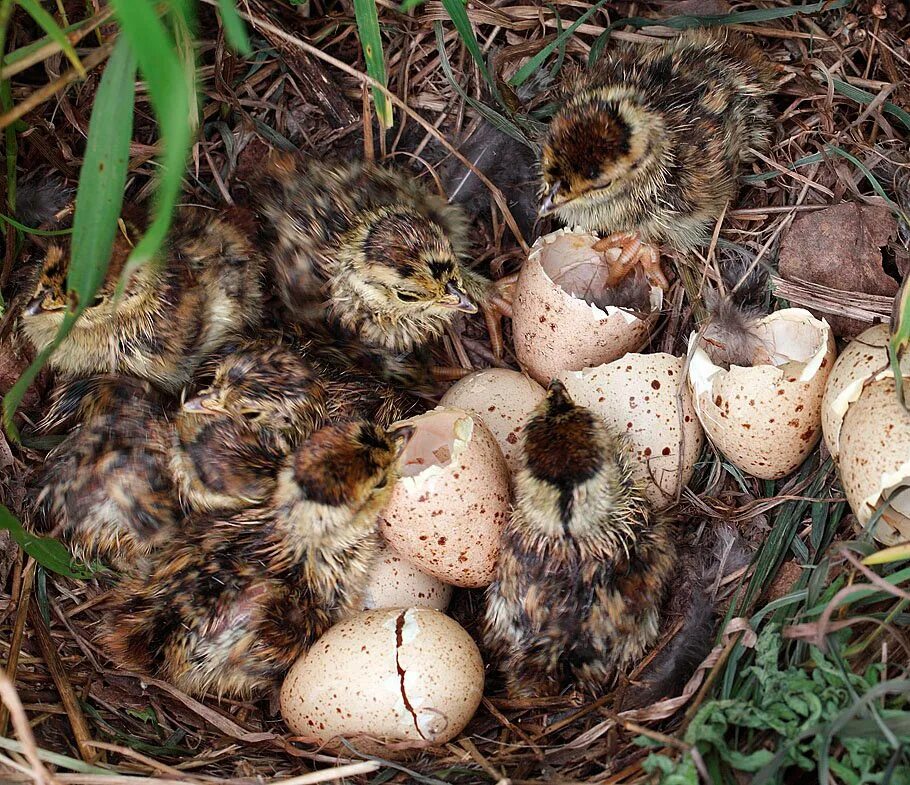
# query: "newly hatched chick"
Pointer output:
{"type": "Point", "coordinates": [383, 256]}
{"type": "Point", "coordinates": [205, 290]}
{"type": "Point", "coordinates": [230, 604]}
{"type": "Point", "coordinates": [650, 144]}
{"type": "Point", "coordinates": [584, 561]}
{"type": "Point", "coordinates": [107, 487]}
{"type": "Point", "coordinates": [731, 336]}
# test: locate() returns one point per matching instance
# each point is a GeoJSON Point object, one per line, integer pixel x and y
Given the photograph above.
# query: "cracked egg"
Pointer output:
{"type": "Point", "coordinates": [396, 583]}
{"type": "Point", "coordinates": [766, 418]}
{"type": "Point", "coordinates": [565, 317]}
{"type": "Point", "coordinates": [385, 676]}
{"type": "Point", "coordinates": [452, 500]}
{"type": "Point", "coordinates": [639, 396]}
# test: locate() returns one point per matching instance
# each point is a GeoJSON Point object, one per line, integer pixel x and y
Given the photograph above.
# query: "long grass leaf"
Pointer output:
{"type": "Point", "coordinates": [899, 342]}
{"type": "Point", "coordinates": [47, 551]}
{"type": "Point", "coordinates": [371, 41]}
{"type": "Point", "coordinates": [234, 28]}
{"type": "Point", "coordinates": [862, 97]}
{"type": "Point", "coordinates": [46, 22]}
{"type": "Point", "coordinates": [459, 16]}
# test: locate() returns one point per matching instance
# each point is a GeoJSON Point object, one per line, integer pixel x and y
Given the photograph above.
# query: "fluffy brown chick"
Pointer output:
{"type": "Point", "coordinates": [205, 290]}
{"type": "Point", "coordinates": [230, 604]}
{"type": "Point", "coordinates": [584, 562]}
{"type": "Point", "coordinates": [649, 145]}
{"type": "Point", "coordinates": [107, 487]}
{"type": "Point", "coordinates": [232, 437]}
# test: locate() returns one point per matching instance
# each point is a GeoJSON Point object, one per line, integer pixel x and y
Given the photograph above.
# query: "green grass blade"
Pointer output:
{"type": "Point", "coordinates": [99, 198]}
{"type": "Point", "coordinates": [371, 41]}
{"type": "Point", "coordinates": [31, 230]}
{"type": "Point", "coordinates": [46, 22]}
{"type": "Point", "coordinates": [48, 552]}
{"type": "Point", "coordinates": [862, 97]}
{"type": "Point", "coordinates": [459, 16]}
{"type": "Point", "coordinates": [234, 28]}
{"type": "Point", "coordinates": [900, 335]}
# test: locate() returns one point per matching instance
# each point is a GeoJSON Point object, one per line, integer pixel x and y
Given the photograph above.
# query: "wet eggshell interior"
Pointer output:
{"type": "Point", "coordinates": [449, 506]}
{"type": "Point", "coordinates": [875, 459]}
{"type": "Point", "coordinates": [556, 325]}
{"type": "Point", "coordinates": [766, 419]}
{"type": "Point", "coordinates": [385, 676]}
{"type": "Point", "coordinates": [637, 396]}
{"type": "Point", "coordinates": [503, 400]}
{"type": "Point", "coordinates": [396, 583]}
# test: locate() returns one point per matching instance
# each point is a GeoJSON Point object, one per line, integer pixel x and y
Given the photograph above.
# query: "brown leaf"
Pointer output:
{"type": "Point", "coordinates": [840, 247]}
{"type": "Point", "coordinates": [695, 7]}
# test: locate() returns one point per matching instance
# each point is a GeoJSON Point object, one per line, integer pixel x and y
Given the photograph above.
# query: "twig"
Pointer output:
{"type": "Point", "coordinates": [23, 730]}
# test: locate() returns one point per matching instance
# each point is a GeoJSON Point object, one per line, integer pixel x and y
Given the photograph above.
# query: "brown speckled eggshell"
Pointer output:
{"type": "Point", "coordinates": [385, 676]}
{"type": "Point", "coordinates": [637, 396]}
{"type": "Point", "coordinates": [396, 583]}
{"type": "Point", "coordinates": [503, 399]}
{"type": "Point", "coordinates": [875, 458]}
{"type": "Point", "coordinates": [447, 520]}
{"type": "Point", "coordinates": [554, 331]}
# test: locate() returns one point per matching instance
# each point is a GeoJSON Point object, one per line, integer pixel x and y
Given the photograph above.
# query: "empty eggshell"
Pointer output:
{"type": "Point", "coordinates": [767, 418]}
{"type": "Point", "coordinates": [385, 676]}
{"type": "Point", "coordinates": [556, 323]}
{"type": "Point", "coordinates": [875, 458]}
{"type": "Point", "coordinates": [396, 583]}
{"type": "Point", "coordinates": [503, 400]}
{"type": "Point", "coordinates": [451, 502]}
{"type": "Point", "coordinates": [637, 396]}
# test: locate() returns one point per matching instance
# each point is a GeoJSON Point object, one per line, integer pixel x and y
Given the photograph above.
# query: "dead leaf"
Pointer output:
{"type": "Point", "coordinates": [695, 7]}
{"type": "Point", "coordinates": [840, 248]}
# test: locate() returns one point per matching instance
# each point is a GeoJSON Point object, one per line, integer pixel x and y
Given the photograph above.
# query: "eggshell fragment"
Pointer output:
{"type": "Point", "coordinates": [637, 396]}
{"type": "Point", "coordinates": [766, 419]}
{"type": "Point", "coordinates": [503, 400]}
{"type": "Point", "coordinates": [875, 459]}
{"type": "Point", "coordinates": [385, 676]}
{"type": "Point", "coordinates": [556, 324]}
{"type": "Point", "coordinates": [448, 509]}
{"type": "Point", "coordinates": [396, 583]}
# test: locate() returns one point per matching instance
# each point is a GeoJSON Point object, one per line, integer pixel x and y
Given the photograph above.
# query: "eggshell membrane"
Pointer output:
{"type": "Point", "coordinates": [637, 396]}
{"type": "Point", "coordinates": [396, 583]}
{"type": "Point", "coordinates": [865, 355]}
{"type": "Point", "coordinates": [448, 508]}
{"type": "Point", "coordinates": [766, 419]}
{"type": "Point", "coordinates": [875, 458]}
{"type": "Point", "coordinates": [385, 676]}
{"type": "Point", "coordinates": [503, 400]}
{"type": "Point", "coordinates": [553, 329]}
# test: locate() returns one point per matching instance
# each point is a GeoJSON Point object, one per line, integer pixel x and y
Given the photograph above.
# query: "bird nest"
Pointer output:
{"type": "Point", "coordinates": [70, 716]}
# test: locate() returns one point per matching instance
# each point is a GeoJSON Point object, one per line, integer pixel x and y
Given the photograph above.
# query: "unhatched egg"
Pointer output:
{"type": "Point", "coordinates": [451, 502]}
{"type": "Point", "coordinates": [396, 583]}
{"type": "Point", "coordinates": [385, 676]}
{"type": "Point", "coordinates": [564, 315]}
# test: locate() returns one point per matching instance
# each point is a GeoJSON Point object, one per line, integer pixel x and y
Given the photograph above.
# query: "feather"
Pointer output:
{"type": "Point", "coordinates": [40, 200]}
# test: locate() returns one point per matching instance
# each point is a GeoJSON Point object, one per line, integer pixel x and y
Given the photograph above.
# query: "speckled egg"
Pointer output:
{"type": "Point", "coordinates": [558, 323]}
{"type": "Point", "coordinates": [639, 396]}
{"type": "Point", "coordinates": [503, 400]}
{"type": "Point", "coordinates": [766, 419]}
{"type": "Point", "coordinates": [396, 583]}
{"type": "Point", "coordinates": [385, 676]}
{"type": "Point", "coordinates": [875, 459]}
{"type": "Point", "coordinates": [452, 500]}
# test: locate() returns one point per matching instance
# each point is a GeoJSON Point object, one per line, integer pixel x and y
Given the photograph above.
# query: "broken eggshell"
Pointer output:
{"type": "Point", "coordinates": [875, 458]}
{"type": "Point", "coordinates": [766, 418]}
{"type": "Point", "coordinates": [503, 400]}
{"type": "Point", "coordinates": [560, 321]}
{"type": "Point", "coordinates": [396, 583]}
{"type": "Point", "coordinates": [452, 500]}
{"type": "Point", "coordinates": [385, 676]}
{"type": "Point", "coordinates": [639, 396]}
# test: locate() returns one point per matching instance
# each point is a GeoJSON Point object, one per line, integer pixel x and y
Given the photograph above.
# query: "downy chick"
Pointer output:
{"type": "Point", "coordinates": [649, 146]}
{"type": "Point", "coordinates": [584, 562]}
{"type": "Point", "coordinates": [732, 335]}
{"type": "Point", "coordinates": [371, 250]}
{"type": "Point", "coordinates": [229, 605]}
{"type": "Point", "coordinates": [232, 437]}
{"type": "Point", "coordinates": [205, 290]}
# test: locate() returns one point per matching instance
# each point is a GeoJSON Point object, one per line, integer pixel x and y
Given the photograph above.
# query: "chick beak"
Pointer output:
{"type": "Point", "coordinates": [206, 403]}
{"type": "Point", "coordinates": [35, 306]}
{"type": "Point", "coordinates": [558, 398]}
{"type": "Point", "coordinates": [548, 204]}
{"type": "Point", "coordinates": [458, 300]}
{"type": "Point", "coordinates": [402, 434]}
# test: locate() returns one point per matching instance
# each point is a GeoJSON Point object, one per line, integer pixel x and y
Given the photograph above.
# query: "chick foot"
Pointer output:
{"type": "Point", "coordinates": [498, 304]}
{"type": "Point", "coordinates": [634, 251]}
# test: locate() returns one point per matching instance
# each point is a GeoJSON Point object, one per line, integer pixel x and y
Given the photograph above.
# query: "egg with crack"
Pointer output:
{"type": "Point", "coordinates": [396, 583]}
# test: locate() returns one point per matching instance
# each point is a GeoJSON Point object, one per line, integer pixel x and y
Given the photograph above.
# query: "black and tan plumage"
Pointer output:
{"type": "Point", "coordinates": [649, 145]}
{"type": "Point", "coordinates": [584, 562]}
{"type": "Point", "coordinates": [205, 290]}
{"type": "Point", "coordinates": [230, 604]}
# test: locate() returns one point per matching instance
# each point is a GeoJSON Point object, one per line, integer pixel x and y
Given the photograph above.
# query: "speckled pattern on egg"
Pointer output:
{"type": "Point", "coordinates": [875, 457]}
{"type": "Point", "coordinates": [447, 518]}
{"type": "Point", "coordinates": [386, 675]}
{"type": "Point", "coordinates": [554, 331]}
{"type": "Point", "coordinates": [396, 583]}
{"type": "Point", "coordinates": [637, 395]}
{"type": "Point", "coordinates": [503, 400]}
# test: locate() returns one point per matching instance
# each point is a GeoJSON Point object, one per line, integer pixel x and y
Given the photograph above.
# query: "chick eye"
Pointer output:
{"type": "Point", "coordinates": [96, 300]}
{"type": "Point", "coordinates": [593, 173]}
{"type": "Point", "coordinates": [250, 415]}
{"type": "Point", "coordinates": [407, 297]}
{"type": "Point", "coordinates": [382, 483]}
